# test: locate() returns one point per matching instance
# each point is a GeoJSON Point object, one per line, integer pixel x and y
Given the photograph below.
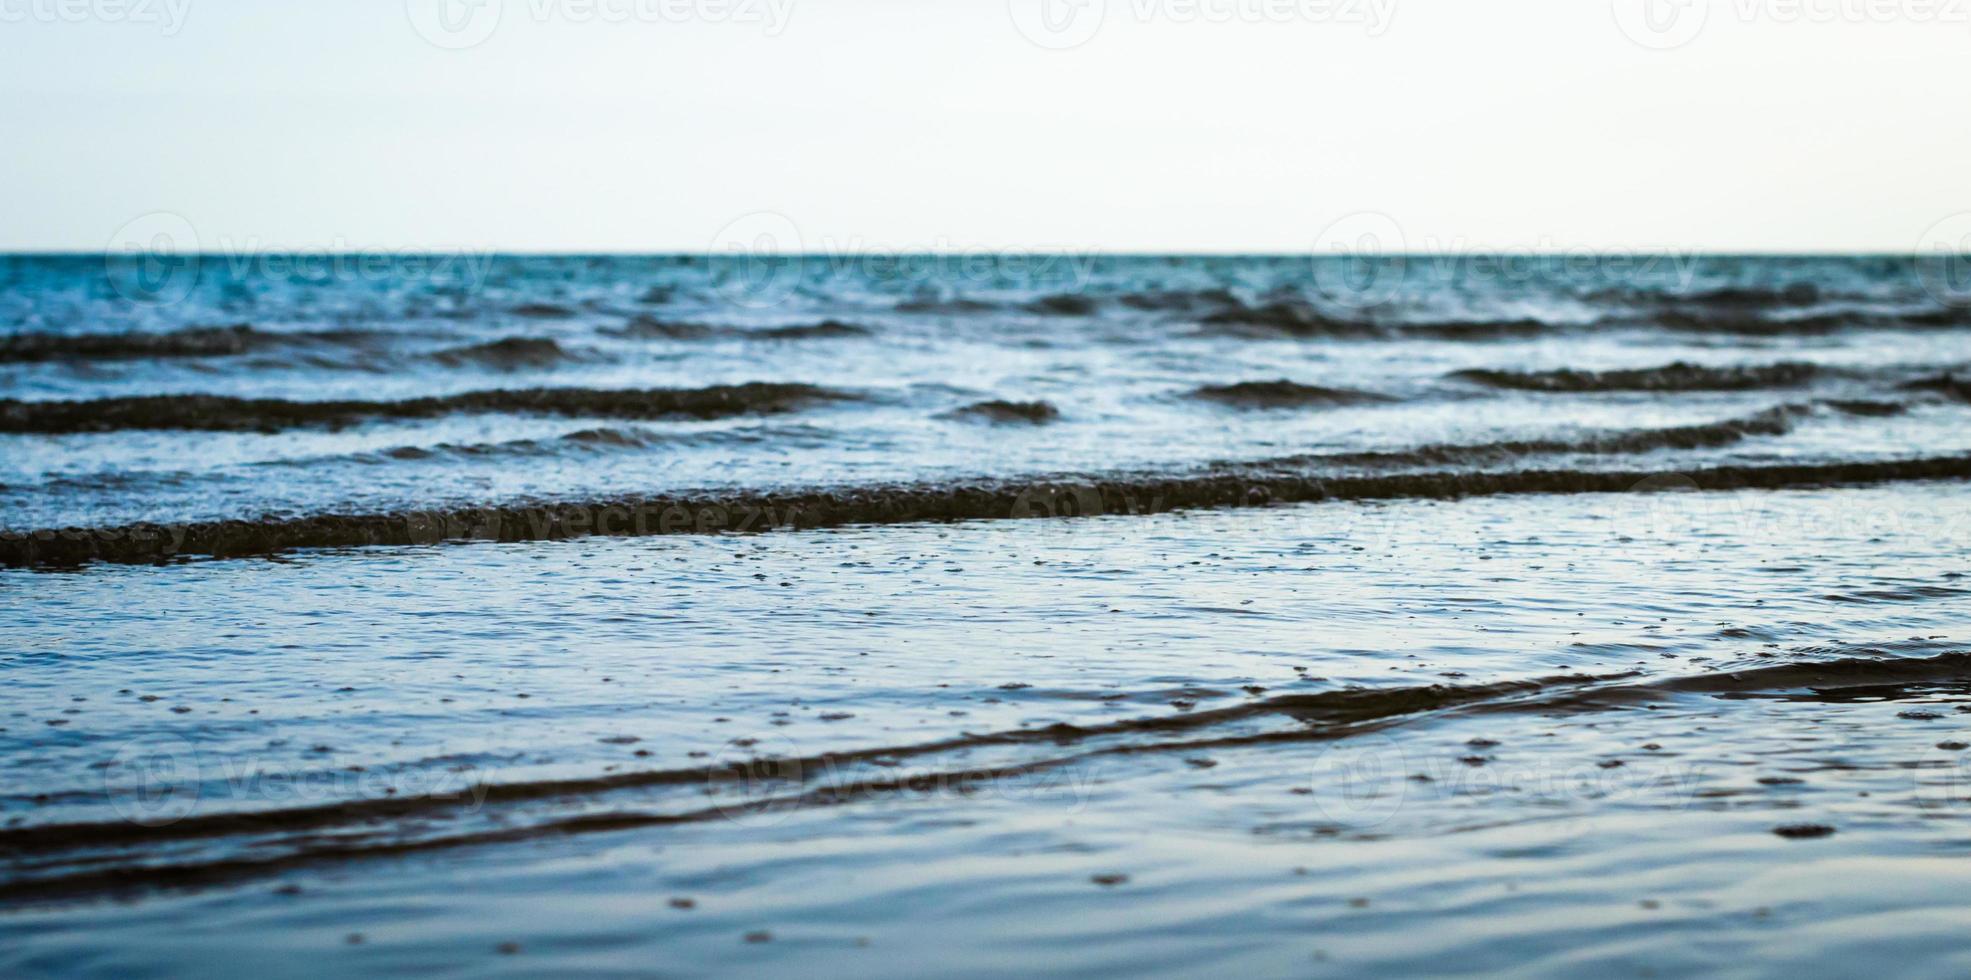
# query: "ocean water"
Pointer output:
{"type": "Point", "coordinates": [1001, 615]}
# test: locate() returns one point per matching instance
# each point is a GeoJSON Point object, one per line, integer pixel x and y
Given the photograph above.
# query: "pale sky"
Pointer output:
{"type": "Point", "coordinates": [914, 125]}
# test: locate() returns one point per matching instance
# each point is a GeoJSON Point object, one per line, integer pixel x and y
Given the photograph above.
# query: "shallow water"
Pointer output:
{"type": "Point", "coordinates": [1364, 730]}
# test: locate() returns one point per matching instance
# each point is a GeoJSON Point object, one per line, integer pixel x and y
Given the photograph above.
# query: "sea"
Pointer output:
{"type": "Point", "coordinates": [984, 615]}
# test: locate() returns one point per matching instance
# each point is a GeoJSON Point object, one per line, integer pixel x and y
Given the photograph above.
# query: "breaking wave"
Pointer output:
{"type": "Point", "coordinates": [1679, 376]}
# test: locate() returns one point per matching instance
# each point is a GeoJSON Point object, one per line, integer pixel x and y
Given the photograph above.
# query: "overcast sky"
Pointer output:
{"type": "Point", "coordinates": [1186, 125]}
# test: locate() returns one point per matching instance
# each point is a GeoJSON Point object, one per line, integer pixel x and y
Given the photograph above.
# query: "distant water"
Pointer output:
{"type": "Point", "coordinates": [244, 394]}
{"type": "Point", "coordinates": [1384, 641]}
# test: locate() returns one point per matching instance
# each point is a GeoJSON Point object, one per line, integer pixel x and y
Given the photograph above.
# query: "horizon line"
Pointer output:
{"type": "Point", "coordinates": [1106, 253]}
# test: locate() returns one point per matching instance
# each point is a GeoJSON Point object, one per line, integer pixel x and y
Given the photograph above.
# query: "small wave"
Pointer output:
{"type": "Point", "coordinates": [1906, 593]}
{"type": "Point", "coordinates": [543, 311]}
{"type": "Point", "coordinates": [1948, 317]}
{"type": "Point", "coordinates": [600, 438]}
{"type": "Point", "coordinates": [1298, 320]}
{"type": "Point", "coordinates": [1751, 297]}
{"type": "Point", "coordinates": [1078, 303]}
{"type": "Point", "coordinates": [646, 328]}
{"type": "Point", "coordinates": [1740, 299]}
{"type": "Point", "coordinates": [1866, 408]}
{"type": "Point", "coordinates": [240, 338]}
{"type": "Point", "coordinates": [1335, 711]}
{"type": "Point", "coordinates": [87, 860]}
{"type": "Point", "coordinates": [625, 438]}
{"type": "Point", "coordinates": [1755, 326]}
{"type": "Point", "coordinates": [1035, 412]}
{"type": "Point", "coordinates": [1179, 300]}
{"type": "Point", "coordinates": [649, 328]}
{"type": "Point", "coordinates": [954, 305]}
{"type": "Point", "coordinates": [1473, 329]}
{"type": "Point", "coordinates": [1679, 376]}
{"type": "Point", "coordinates": [226, 413]}
{"type": "Point", "coordinates": [595, 440]}
{"type": "Point", "coordinates": [802, 331]}
{"type": "Point", "coordinates": [911, 503]}
{"type": "Point", "coordinates": [1776, 421]}
{"type": "Point", "coordinates": [1063, 304]}
{"type": "Point", "coordinates": [193, 342]}
{"type": "Point", "coordinates": [1288, 318]}
{"type": "Point", "coordinates": [1948, 385]}
{"type": "Point", "coordinates": [1282, 394]}
{"type": "Point", "coordinates": [507, 354]}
